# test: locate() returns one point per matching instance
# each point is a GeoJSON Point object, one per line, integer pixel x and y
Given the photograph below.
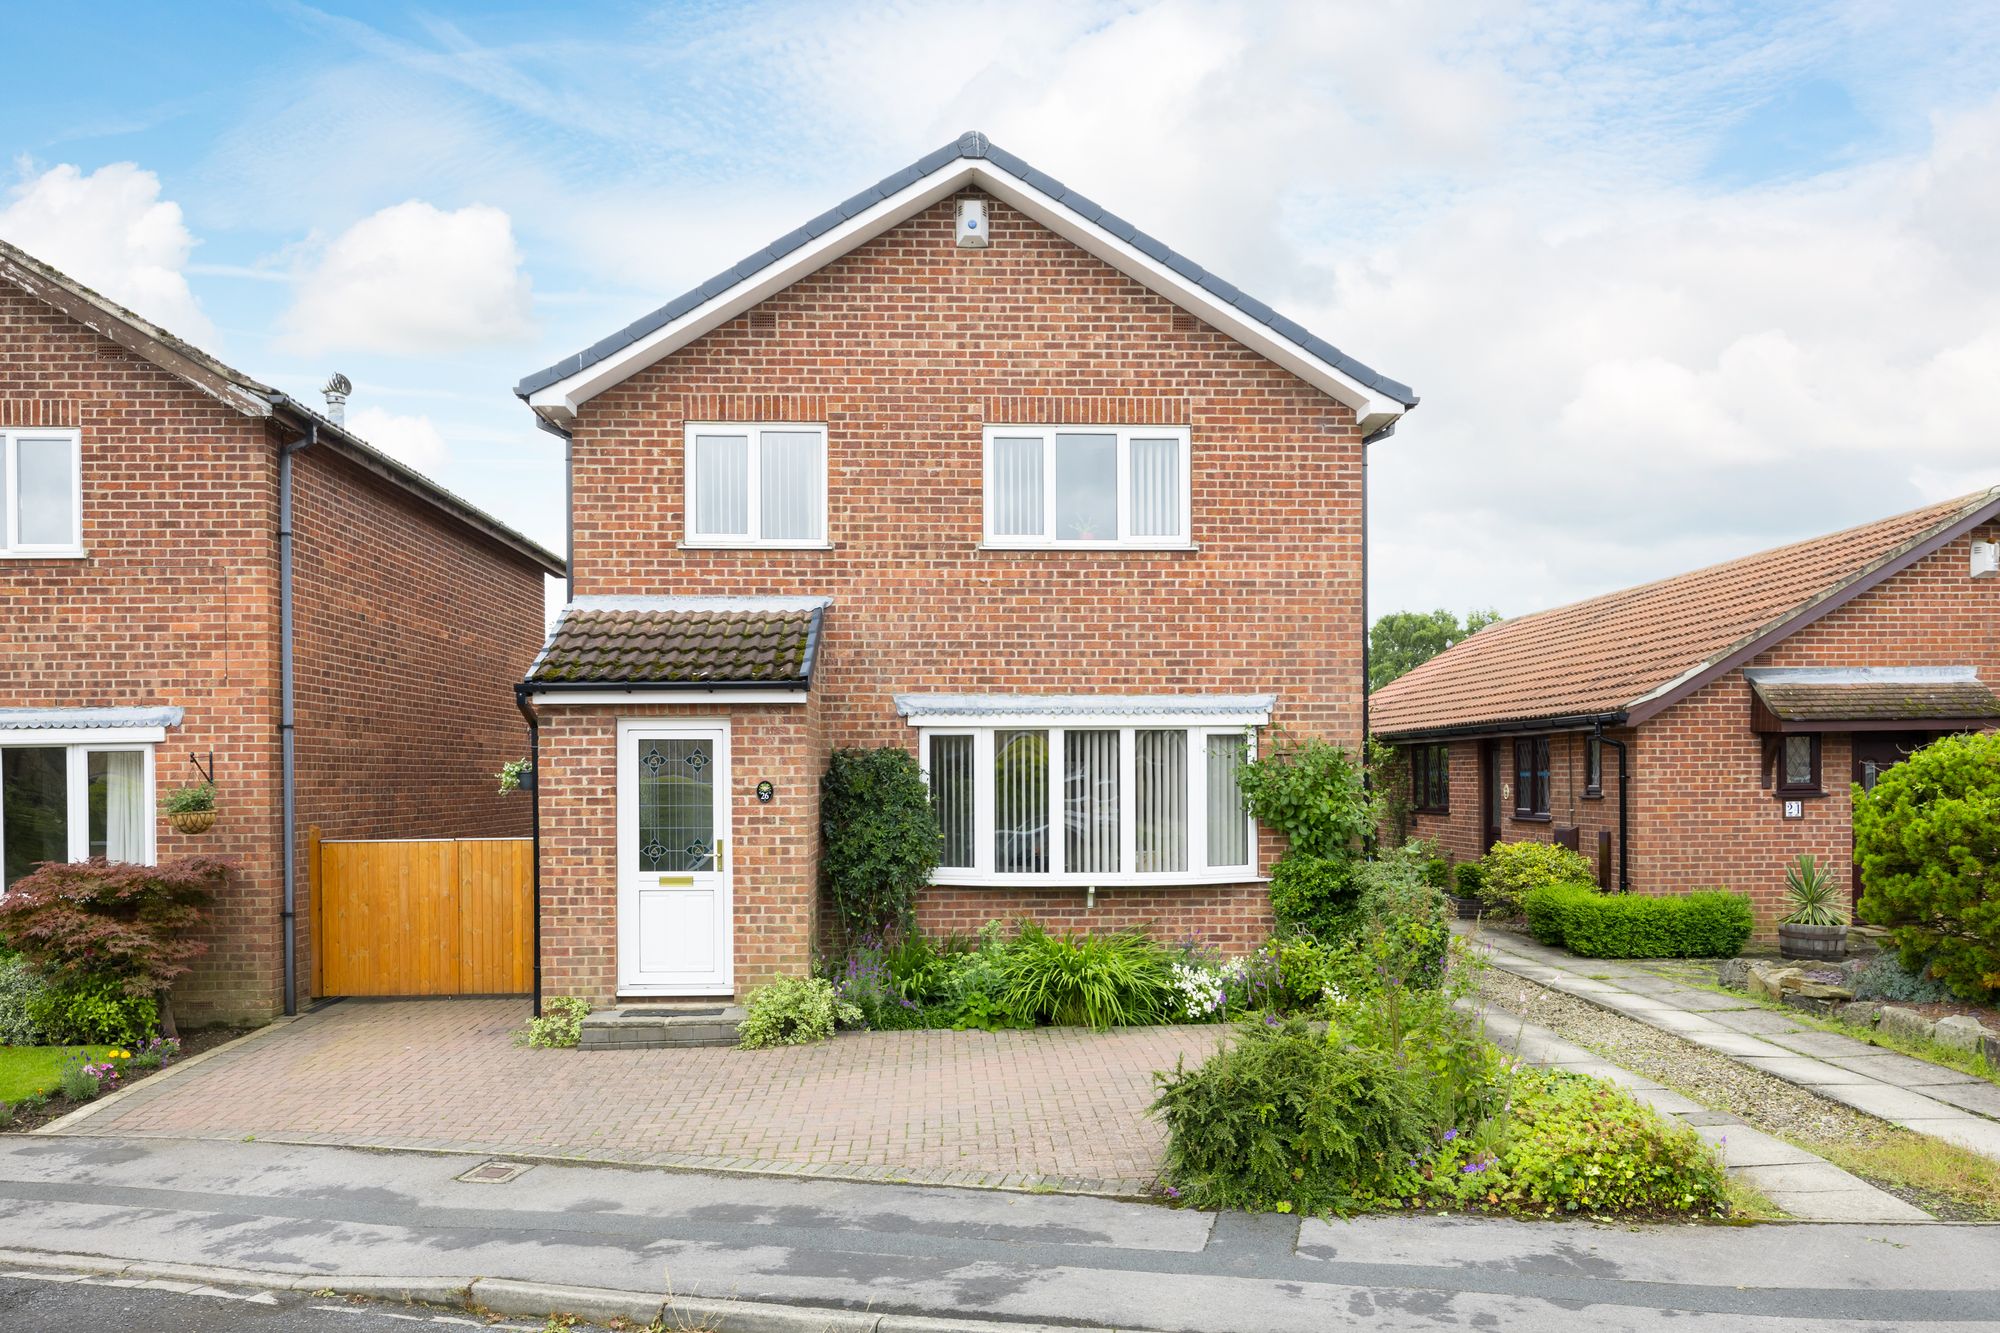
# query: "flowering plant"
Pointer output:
{"type": "Point", "coordinates": [1199, 993]}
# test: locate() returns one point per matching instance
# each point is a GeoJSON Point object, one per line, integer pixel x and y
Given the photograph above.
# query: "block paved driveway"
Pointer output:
{"type": "Point", "coordinates": [1056, 1107]}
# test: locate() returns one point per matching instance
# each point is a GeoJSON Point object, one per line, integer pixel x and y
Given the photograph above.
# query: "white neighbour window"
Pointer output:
{"type": "Point", "coordinates": [1134, 804]}
{"type": "Point", "coordinates": [1087, 486]}
{"type": "Point", "coordinates": [73, 802]}
{"type": "Point", "coordinates": [756, 484]}
{"type": "Point", "coordinates": [41, 492]}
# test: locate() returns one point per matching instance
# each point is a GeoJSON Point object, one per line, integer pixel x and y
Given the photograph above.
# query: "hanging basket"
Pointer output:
{"type": "Point", "coordinates": [192, 821]}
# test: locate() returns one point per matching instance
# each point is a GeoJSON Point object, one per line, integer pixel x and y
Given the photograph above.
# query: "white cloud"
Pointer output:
{"type": "Point", "coordinates": [414, 440]}
{"type": "Point", "coordinates": [413, 279]}
{"type": "Point", "coordinates": [110, 230]}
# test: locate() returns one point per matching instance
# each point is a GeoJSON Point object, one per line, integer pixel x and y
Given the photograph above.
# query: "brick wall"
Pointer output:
{"type": "Point", "coordinates": [176, 603]}
{"type": "Point", "coordinates": [906, 348]}
{"type": "Point", "coordinates": [410, 631]}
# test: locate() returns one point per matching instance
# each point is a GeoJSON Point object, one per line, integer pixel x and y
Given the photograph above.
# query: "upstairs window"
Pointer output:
{"type": "Point", "coordinates": [1430, 779]}
{"type": "Point", "coordinates": [1531, 777]}
{"type": "Point", "coordinates": [1087, 486]}
{"type": "Point", "coordinates": [756, 485]}
{"type": "Point", "coordinates": [41, 493]}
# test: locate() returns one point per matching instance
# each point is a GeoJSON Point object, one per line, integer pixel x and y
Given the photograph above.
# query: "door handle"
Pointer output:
{"type": "Point", "coordinates": [721, 850]}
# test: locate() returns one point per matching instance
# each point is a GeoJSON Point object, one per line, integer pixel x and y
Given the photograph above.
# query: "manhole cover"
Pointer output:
{"type": "Point", "coordinates": [674, 1013]}
{"type": "Point", "coordinates": [495, 1173]}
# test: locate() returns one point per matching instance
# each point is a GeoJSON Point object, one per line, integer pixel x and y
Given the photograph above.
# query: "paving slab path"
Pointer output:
{"type": "Point", "coordinates": [1913, 1094]}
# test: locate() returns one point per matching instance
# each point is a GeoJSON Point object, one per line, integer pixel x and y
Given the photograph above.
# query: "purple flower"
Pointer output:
{"type": "Point", "coordinates": [1173, 1193]}
{"type": "Point", "coordinates": [1472, 1168]}
{"type": "Point", "coordinates": [1450, 1134]}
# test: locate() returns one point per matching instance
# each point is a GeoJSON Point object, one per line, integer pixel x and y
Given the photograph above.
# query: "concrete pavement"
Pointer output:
{"type": "Point", "coordinates": [308, 1210]}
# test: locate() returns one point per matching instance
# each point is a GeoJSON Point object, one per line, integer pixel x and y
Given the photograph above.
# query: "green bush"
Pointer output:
{"type": "Point", "coordinates": [18, 987]}
{"type": "Point", "coordinates": [879, 839]}
{"type": "Point", "coordinates": [560, 1025]}
{"type": "Point", "coordinates": [1710, 923]}
{"type": "Point", "coordinates": [1281, 1118]}
{"type": "Point", "coordinates": [1884, 977]}
{"type": "Point", "coordinates": [91, 1011]}
{"type": "Point", "coordinates": [1927, 839]}
{"type": "Point", "coordinates": [1313, 794]}
{"type": "Point", "coordinates": [1101, 981]}
{"type": "Point", "coordinates": [1470, 876]}
{"type": "Point", "coordinates": [1510, 869]}
{"type": "Point", "coordinates": [793, 1011]}
{"type": "Point", "coordinates": [1314, 895]}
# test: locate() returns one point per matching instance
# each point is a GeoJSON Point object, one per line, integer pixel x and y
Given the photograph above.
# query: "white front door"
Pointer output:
{"type": "Point", "coordinates": [674, 935]}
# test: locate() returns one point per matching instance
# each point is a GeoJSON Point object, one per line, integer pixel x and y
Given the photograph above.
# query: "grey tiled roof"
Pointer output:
{"type": "Point", "coordinates": [52, 719]}
{"type": "Point", "coordinates": [650, 643]}
{"type": "Point", "coordinates": [969, 145]}
{"type": "Point", "coordinates": [1909, 694]}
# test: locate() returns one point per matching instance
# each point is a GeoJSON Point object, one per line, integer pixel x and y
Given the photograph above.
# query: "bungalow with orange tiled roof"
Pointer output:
{"type": "Point", "coordinates": [1706, 729]}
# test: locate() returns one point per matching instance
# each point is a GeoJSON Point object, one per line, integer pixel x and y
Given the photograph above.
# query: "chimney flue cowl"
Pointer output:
{"type": "Point", "coordinates": [336, 392]}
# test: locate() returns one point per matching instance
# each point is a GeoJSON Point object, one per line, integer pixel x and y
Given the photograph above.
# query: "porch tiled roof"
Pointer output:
{"type": "Point", "coordinates": [1919, 694]}
{"type": "Point", "coordinates": [687, 641]}
{"type": "Point", "coordinates": [1606, 655]}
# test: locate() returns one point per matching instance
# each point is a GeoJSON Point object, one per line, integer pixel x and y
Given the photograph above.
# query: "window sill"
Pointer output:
{"type": "Point", "coordinates": [44, 555]}
{"type": "Point", "coordinates": [1799, 793]}
{"type": "Point", "coordinates": [754, 546]}
{"type": "Point", "coordinates": [1520, 818]}
{"type": "Point", "coordinates": [1431, 810]}
{"type": "Point", "coordinates": [1593, 795]}
{"type": "Point", "coordinates": [1108, 882]}
{"type": "Point", "coordinates": [1089, 548]}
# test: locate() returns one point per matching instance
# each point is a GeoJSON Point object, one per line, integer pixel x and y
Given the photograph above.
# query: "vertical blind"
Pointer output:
{"type": "Point", "coordinates": [1017, 487]}
{"type": "Point", "coordinates": [722, 485]}
{"type": "Point", "coordinates": [1228, 821]}
{"type": "Point", "coordinates": [1156, 488]}
{"type": "Point", "coordinates": [952, 795]}
{"type": "Point", "coordinates": [1090, 801]}
{"type": "Point", "coordinates": [789, 480]}
{"type": "Point", "coordinates": [1161, 808]}
{"type": "Point", "coordinates": [1021, 802]}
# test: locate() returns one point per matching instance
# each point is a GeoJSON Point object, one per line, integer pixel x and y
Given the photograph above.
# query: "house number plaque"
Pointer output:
{"type": "Point", "coordinates": [765, 791]}
{"type": "Point", "coordinates": [1795, 809]}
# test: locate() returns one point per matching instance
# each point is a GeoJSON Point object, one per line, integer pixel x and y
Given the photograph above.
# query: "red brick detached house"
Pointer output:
{"type": "Point", "coordinates": [1741, 703]}
{"type": "Point", "coordinates": [159, 606]}
{"type": "Point", "coordinates": [965, 465]}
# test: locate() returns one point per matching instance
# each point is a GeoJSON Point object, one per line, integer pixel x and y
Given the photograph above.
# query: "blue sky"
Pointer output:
{"type": "Point", "coordinates": [1676, 281]}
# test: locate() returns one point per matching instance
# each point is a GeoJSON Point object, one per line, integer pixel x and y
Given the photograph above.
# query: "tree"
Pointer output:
{"type": "Point", "coordinates": [879, 839]}
{"type": "Point", "coordinates": [1404, 640]}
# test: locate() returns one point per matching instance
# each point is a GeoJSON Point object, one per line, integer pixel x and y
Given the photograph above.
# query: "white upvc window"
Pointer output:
{"type": "Point", "coordinates": [70, 802]}
{"type": "Point", "coordinates": [756, 484]}
{"type": "Point", "coordinates": [1090, 802]}
{"type": "Point", "coordinates": [41, 492]}
{"type": "Point", "coordinates": [1088, 486]}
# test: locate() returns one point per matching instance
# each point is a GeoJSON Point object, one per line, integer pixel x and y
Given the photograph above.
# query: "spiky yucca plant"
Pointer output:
{"type": "Point", "coordinates": [1814, 898]}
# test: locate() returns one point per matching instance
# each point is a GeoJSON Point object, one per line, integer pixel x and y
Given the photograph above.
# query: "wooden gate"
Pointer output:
{"type": "Point", "coordinates": [444, 916]}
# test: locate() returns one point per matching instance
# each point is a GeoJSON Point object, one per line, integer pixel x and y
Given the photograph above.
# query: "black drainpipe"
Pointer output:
{"type": "Point", "coordinates": [288, 714]}
{"type": "Point", "coordinates": [1624, 809]}
{"type": "Point", "coordinates": [534, 814]}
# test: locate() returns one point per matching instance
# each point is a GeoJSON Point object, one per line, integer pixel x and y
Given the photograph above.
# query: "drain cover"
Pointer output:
{"type": "Point", "coordinates": [674, 1013]}
{"type": "Point", "coordinates": [495, 1173]}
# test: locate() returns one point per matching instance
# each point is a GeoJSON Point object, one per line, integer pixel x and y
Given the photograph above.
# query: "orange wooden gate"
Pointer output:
{"type": "Point", "coordinates": [443, 916]}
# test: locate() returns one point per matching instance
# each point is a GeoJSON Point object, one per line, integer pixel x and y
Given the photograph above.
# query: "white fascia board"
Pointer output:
{"type": "Point", "coordinates": [83, 735]}
{"type": "Point", "coordinates": [561, 400]}
{"type": "Point", "coordinates": [560, 698]}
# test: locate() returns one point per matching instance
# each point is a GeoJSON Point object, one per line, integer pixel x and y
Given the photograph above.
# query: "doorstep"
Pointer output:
{"type": "Point", "coordinates": [659, 1025]}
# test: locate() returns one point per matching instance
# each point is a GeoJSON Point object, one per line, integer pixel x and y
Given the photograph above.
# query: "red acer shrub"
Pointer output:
{"type": "Point", "coordinates": [134, 924]}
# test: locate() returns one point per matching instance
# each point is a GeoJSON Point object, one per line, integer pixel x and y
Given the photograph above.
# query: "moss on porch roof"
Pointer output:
{"type": "Point", "coordinates": [684, 641]}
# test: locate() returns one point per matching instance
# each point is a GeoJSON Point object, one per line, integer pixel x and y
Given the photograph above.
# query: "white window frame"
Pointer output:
{"type": "Point", "coordinates": [753, 514]}
{"type": "Point", "coordinates": [1046, 540]}
{"type": "Point", "coordinates": [981, 873]}
{"type": "Point", "coordinates": [78, 744]}
{"type": "Point", "coordinates": [11, 545]}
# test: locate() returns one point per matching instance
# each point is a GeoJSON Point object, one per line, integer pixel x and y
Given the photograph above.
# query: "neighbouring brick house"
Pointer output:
{"type": "Point", "coordinates": [143, 554]}
{"type": "Point", "coordinates": [964, 465]}
{"type": "Point", "coordinates": [1741, 702]}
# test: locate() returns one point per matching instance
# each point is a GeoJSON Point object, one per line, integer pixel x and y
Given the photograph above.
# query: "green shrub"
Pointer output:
{"type": "Point", "coordinates": [866, 982]}
{"type": "Point", "coordinates": [1313, 894]}
{"type": "Point", "coordinates": [560, 1025]}
{"type": "Point", "coordinates": [1101, 981]}
{"type": "Point", "coordinates": [793, 1011]}
{"type": "Point", "coordinates": [879, 839]}
{"type": "Point", "coordinates": [1927, 839]}
{"type": "Point", "coordinates": [1313, 794]}
{"type": "Point", "coordinates": [1281, 1118]}
{"type": "Point", "coordinates": [1884, 977]}
{"type": "Point", "coordinates": [18, 987]}
{"type": "Point", "coordinates": [1510, 869]}
{"type": "Point", "coordinates": [1400, 927]}
{"type": "Point", "coordinates": [1710, 923]}
{"type": "Point", "coordinates": [1470, 876]}
{"type": "Point", "coordinates": [91, 1011]}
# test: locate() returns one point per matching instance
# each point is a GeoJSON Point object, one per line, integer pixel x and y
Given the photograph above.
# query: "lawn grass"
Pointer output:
{"type": "Point", "coordinates": [31, 1071]}
{"type": "Point", "coordinates": [1919, 1162]}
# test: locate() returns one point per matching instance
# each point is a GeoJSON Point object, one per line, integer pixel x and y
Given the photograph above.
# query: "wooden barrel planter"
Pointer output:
{"type": "Point", "coordinates": [1826, 944]}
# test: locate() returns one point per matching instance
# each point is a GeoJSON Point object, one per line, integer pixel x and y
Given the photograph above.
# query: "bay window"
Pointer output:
{"type": "Point", "coordinates": [756, 485]}
{"type": "Point", "coordinates": [1087, 486]}
{"type": "Point", "coordinates": [1106, 800]}
{"type": "Point", "coordinates": [41, 493]}
{"type": "Point", "coordinates": [73, 802]}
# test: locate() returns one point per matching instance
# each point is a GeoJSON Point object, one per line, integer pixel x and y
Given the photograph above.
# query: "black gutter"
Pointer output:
{"type": "Point", "coordinates": [288, 715]}
{"type": "Point", "coordinates": [535, 815]}
{"type": "Point", "coordinates": [1568, 722]}
{"type": "Point", "coordinates": [1624, 807]}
